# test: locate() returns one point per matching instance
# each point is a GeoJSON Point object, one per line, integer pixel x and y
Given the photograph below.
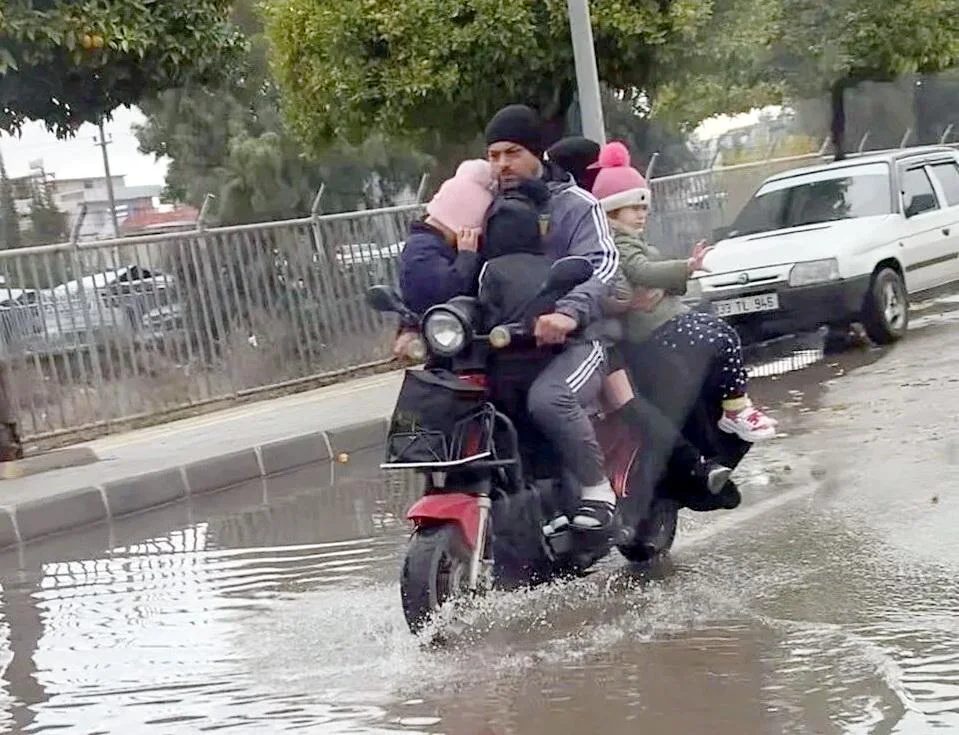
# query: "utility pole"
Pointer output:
{"type": "Point", "coordinates": [587, 76]}
{"type": "Point", "coordinates": [103, 143]}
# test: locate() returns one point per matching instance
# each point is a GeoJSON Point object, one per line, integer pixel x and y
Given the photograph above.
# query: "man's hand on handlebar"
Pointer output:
{"type": "Point", "coordinates": [553, 329]}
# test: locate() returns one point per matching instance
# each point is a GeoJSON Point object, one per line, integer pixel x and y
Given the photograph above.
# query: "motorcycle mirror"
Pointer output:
{"type": "Point", "coordinates": [384, 298]}
{"type": "Point", "coordinates": [567, 273]}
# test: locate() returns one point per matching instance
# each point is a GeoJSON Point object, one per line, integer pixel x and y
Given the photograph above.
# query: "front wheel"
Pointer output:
{"type": "Point", "coordinates": [886, 310]}
{"type": "Point", "coordinates": [655, 534]}
{"type": "Point", "coordinates": [436, 569]}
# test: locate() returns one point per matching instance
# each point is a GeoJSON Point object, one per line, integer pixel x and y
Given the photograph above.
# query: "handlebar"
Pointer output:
{"type": "Point", "coordinates": [506, 335]}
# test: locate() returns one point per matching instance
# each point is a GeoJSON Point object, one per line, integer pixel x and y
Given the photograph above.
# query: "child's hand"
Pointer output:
{"type": "Point", "coordinates": [467, 239]}
{"type": "Point", "coordinates": [646, 299]}
{"type": "Point", "coordinates": [699, 253]}
{"type": "Point", "coordinates": [402, 343]}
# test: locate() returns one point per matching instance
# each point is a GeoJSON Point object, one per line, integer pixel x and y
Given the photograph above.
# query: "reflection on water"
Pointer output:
{"type": "Point", "coordinates": [274, 607]}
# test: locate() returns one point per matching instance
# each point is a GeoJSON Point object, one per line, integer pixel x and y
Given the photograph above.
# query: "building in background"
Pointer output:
{"type": "Point", "coordinates": [68, 194]}
{"type": "Point", "coordinates": [155, 221]}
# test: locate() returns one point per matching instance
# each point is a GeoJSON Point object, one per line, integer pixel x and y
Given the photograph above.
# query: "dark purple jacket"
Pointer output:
{"type": "Point", "coordinates": [431, 271]}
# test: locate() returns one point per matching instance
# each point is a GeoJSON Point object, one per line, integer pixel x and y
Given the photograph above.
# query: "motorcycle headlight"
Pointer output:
{"type": "Point", "coordinates": [814, 271]}
{"type": "Point", "coordinates": [445, 332]}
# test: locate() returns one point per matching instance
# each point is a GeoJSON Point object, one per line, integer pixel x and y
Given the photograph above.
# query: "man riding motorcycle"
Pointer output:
{"type": "Point", "coordinates": [573, 379]}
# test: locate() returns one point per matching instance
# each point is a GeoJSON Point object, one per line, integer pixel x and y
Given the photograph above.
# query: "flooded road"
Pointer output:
{"type": "Point", "coordinates": [828, 603]}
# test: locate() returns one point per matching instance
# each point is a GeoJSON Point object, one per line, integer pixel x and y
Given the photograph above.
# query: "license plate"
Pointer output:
{"type": "Point", "coordinates": [747, 304]}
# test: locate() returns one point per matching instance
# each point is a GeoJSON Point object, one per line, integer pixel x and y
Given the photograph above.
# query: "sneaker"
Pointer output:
{"type": "Point", "coordinates": [717, 475]}
{"type": "Point", "coordinates": [593, 515]}
{"type": "Point", "coordinates": [749, 424]}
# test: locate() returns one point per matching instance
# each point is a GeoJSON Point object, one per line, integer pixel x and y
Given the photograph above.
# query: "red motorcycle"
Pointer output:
{"type": "Point", "coordinates": [496, 504]}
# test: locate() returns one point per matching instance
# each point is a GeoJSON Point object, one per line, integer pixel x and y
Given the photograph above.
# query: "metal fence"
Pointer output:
{"type": "Point", "coordinates": [98, 333]}
{"type": "Point", "coordinates": [121, 330]}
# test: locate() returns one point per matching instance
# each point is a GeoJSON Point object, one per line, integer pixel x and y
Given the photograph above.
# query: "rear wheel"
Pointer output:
{"type": "Point", "coordinates": [436, 569]}
{"type": "Point", "coordinates": [885, 314]}
{"type": "Point", "coordinates": [655, 534]}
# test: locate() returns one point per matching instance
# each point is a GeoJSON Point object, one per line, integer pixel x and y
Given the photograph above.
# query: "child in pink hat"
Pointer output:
{"type": "Point", "coordinates": [658, 316]}
{"type": "Point", "coordinates": [441, 258]}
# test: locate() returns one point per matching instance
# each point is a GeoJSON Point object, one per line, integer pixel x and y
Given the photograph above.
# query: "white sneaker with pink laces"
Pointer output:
{"type": "Point", "coordinates": [749, 424]}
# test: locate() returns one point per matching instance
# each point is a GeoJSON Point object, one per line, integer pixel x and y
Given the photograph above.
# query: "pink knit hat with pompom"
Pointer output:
{"type": "Point", "coordinates": [618, 184]}
{"type": "Point", "coordinates": [462, 201]}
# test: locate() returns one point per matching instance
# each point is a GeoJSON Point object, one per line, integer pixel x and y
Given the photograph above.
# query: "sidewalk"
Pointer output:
{"type": "Point", "coordinates": [159, 465]}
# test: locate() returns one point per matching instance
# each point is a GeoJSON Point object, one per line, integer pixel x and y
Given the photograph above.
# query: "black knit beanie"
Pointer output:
{"type": "Point", "coordinates": [575, 155]}
{"type": "Point", "coordinates": [517, 124]}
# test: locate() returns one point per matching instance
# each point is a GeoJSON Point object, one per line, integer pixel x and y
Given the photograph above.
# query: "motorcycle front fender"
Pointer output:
{"type": "Point", "coordinates": [459, 508]}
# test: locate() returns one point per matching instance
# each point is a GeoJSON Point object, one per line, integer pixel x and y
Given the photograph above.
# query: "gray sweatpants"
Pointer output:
{"type": "Point", "coordinates": [557, 401]}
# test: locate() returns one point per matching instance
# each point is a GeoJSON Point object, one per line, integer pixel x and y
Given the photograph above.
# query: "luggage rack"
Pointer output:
{"type": "Point", "coordinates": [438, 452]}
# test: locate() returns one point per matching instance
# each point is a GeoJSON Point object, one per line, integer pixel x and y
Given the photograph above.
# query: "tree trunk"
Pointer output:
{"type": "Point", "coordinates": [838, 126]}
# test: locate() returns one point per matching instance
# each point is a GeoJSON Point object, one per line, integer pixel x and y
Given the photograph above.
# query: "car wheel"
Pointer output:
{"type": "Point", "coordinates": [886, 310]}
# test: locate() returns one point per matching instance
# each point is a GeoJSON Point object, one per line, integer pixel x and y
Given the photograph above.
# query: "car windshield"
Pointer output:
{"type": "Point", "coordinates": [823, 196]}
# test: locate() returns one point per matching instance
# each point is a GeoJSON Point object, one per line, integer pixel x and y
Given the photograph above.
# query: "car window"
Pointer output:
{"type": "Point", "coordinates": [948, 176]}
{"type": "Point", "coordinates": [821, 196]}
{"type": "Point", "coordinates": [918, 195]}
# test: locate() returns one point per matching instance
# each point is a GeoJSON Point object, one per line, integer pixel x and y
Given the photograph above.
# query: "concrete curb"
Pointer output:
{"type": "Point", "coordinates": [27, 521]}
{"type": "Point", "coordinates": [56, 459]}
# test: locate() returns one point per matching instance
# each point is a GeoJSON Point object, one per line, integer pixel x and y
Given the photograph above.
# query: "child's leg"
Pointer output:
{"type": "Point", "coordinates": [740, 417]}
{"type": "Point", "coordinates": [666, 446]}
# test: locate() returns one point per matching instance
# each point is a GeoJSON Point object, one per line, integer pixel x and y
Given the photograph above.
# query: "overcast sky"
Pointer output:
{"type": "Point", "coordinates": [80, 158]}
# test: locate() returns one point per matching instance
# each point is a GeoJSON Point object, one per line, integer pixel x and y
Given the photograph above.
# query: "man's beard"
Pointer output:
{"type": "Point", "coordinates": [506, 182]}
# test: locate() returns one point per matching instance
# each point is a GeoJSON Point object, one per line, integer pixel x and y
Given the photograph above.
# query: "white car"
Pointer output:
{"type": "Point", "coordinates": [848, 241]}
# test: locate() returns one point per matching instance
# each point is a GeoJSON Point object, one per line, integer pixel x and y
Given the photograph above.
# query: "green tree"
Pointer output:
{"type": "Point", "coordinates": [834, 46]}
{"type": "Point", "coordinates": [428, 66]}
{"type": "Point", "coordinates": [68, 63]}
{"type": "Point", "coordinates": [632, 124]}
{"type": "Point", "coordinates": [231, 141]}
{"type": "Point", "coordinates": [48, 224]}
{"type": "Point", "coordinates": [9, 218]}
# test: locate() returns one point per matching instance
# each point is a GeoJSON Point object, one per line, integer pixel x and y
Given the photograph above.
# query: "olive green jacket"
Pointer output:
{"type": "Point", "coordinates": [643, 267]}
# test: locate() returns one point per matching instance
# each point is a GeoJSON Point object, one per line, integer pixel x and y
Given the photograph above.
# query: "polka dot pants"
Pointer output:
{"type": "Point", "coordinates": [699, 336]}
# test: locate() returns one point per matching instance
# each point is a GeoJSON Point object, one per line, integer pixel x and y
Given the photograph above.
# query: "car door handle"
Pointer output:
{"type": "Point", "coordinates": [945, 231]}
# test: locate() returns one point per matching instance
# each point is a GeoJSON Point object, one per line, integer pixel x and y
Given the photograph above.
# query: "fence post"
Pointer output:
{"type": "Point", "coordinates": [862, 143]}
{"type": "Point", "coordinates": [91, 341]}
{"type": "Point", "coordinates": [421, 189]}
{"type": "Point", "coordinates": [204, 211]}
{"type": "Point", "coordinates": [651, 166]}
{"type": "Point", "coordinates": [325, 274]}
{"type": "Point", "coordinates": [945, 134]}
{"type": "Point", "coordinates": [905, 137]}
{"type": "Point", "coordinates": [205, 269]}
{"type": "Point", "coordinates": [772, 146]}
{"type": "Point", "coordinates": [315, 209]}
{"type": "Point", "coordinates": [825, 144]}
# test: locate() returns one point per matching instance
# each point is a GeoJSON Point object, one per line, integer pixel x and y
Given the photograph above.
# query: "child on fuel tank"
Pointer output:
{"type": "Point", "coordinates": [658, 316]}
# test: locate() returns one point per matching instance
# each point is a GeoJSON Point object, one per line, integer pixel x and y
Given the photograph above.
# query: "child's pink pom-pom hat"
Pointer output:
{"type": "Point", "coordinates": [618, 184]}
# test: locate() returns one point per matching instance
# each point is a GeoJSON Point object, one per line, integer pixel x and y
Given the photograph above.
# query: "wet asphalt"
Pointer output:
{"type": "Point", "coordinates": [827, 603]}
